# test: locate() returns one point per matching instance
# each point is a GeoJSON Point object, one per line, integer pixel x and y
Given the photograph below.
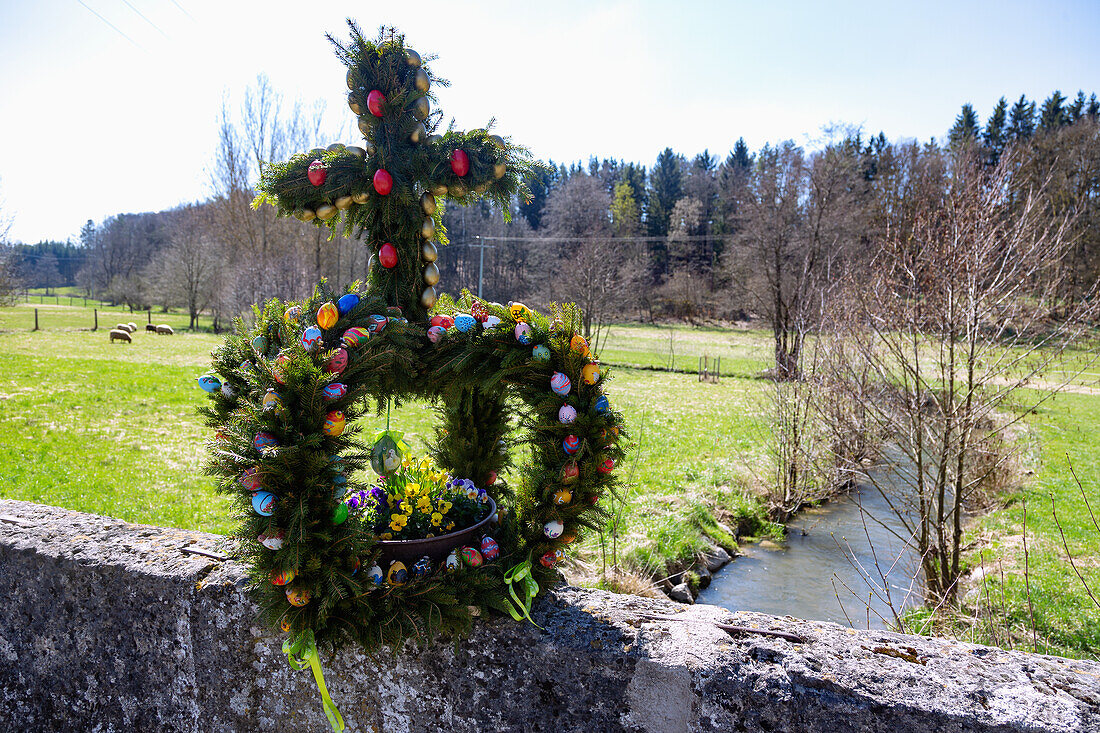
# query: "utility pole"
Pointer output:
{"type": "Point", "coordinates": [481, 261]}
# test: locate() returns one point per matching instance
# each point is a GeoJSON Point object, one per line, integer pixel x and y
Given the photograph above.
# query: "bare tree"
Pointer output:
{"type": "Point", "coordinates": [187, 271]}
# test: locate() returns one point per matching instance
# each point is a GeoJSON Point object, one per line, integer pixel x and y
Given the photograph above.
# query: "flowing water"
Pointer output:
{"type": "Point", "coordinates": [821, 572]}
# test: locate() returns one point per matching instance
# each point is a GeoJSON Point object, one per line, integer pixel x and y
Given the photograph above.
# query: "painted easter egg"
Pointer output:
{"type": "Point", "coordinates": [385, 456]}
{"type": "Point", "coordinates": [422, 567]}
{"type": "Point", "coordinates": [297, 596]}
{"type": "Point", "coordinates": [560, 383]}
{"type": "Point", "coordinates": [264, 503]}
{"type": "Point", "coordinates": [250, 479]}
{"type": "Point", "coordinates": [334, 391]}
{"type": "Point", "coordinates": [443, 321]}
{"type": "Point", "coordinates": [567, 414]}
{"type": "Point", "coordinates": [435, 333]}
{"type": "Point", "coordinates": [540, 353]}
{"type": "Point", "coordinates": [279, 370]}
{"type": "Point", "coordinates": [471, 557]}
{"type": "Point", "coordinates": [451, 564]}
{"type": "Point", "coordinates": [209, 383]}
{"type": "Point", "coordinates": [355, 336]}
{"type": "Point", "coordinates": [292, 314]}
{"type": "Point", "coordinates": [263, 440]}
{"type": "Point", "coordinates": [549, 559]}
{"type": "Point", "coordinates": [227, 391]}
{"type": "Point", "coordinates": [607, 466]}
{"type": "Point", "coordinates": [272, 401]}
{"type": "Point", "coordinates": [376, 323]}
{"type": "Point", "coordinates": [338, 362]}
{"type": "Point", "coordinates": [334, 424]}
{"type": "Point", "coordinates": [346, 304]}
{"type": "Point", "coordinates": [519, 312]}
{"type": "Point", "coordinates": [492, 322]}
{"type": "Point", "coordinates": [591, 373]}
{"type": "Point", "coordinates": [355, 565]}
{"type": "Point", "coordinates": [383, 182]}
{"type": "Point", "coordinates": [387, 256]}
{"type": "Point", "coordinates": [524, 334]}
{"type": "Point", "coordinates": [317, 173]}
{"type": "Point", "coordinates": [327, 315]}
{"type": "Point", "coordinates": [602, 405]}
{"type": "Point", "coordinates": [311, 338]}
{"type": "Point", "coordinates": [285, 625]}
{"type": "Point", "coordinates": [571, 445]}
{"type": "Point", "coordinates": [339, 480]}
{"type": "Point", "coordinates": [553, 529]}
{"type": "Point", "coordinates": [464, 322]}
{"type": "Point", "coordinates": [569, 472]}
{"type": "Point", "coordinates": [397, 574]}
{"type": "Point", "coordinates": [340, 513]}
{"type": "Point", "coordinates": [479, 311]}
{"type": "Point", "coordinates": [563, 497]}
{"type": "Point", "coordinates": [578, 344]}
{"type": "Point", "coordinates": [490, 479]}
{"type": "Point", "coordinates": [557, 326]}
{"type": "Point", "coordinates": [282, 577]}
{"type": "Point", "coordinates": [375, 575]}
{"type": "Point", "coordinates": [569, 537]}
{"type": "Point", "coordinates": [272, 539]}
{"type": "Point", "coordinates": [259, 343]}
{"type": "Point", "coordinates": [490, 550]}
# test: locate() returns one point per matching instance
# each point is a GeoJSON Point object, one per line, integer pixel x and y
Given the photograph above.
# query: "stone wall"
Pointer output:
{"type": "Point", "coordinates": [110, 626]}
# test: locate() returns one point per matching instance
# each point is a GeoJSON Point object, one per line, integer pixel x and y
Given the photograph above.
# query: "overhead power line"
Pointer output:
{"type": "Point", "coordinates": [142, 15]}
{"type": "Point", "coordinates": [109, 23]}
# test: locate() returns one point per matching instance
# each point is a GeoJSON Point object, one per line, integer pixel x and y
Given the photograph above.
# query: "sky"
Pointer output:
{"type": "Point", "coordinates": [112, 106]}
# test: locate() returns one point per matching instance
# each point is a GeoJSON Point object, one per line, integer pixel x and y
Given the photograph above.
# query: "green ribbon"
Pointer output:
{"type": "Point", "coordinates": [520, 575]}
{"type": "Point", "coordinates": [302, 651]}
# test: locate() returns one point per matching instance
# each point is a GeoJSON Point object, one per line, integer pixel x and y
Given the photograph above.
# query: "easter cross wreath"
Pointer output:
{"type": "Point", "coordinates": [325, 540]}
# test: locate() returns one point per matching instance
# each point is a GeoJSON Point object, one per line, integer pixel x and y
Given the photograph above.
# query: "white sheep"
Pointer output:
{"type": "Point", "coordinates": [165, 329]}
{"type": "Point", "coordinates": [121, 334]}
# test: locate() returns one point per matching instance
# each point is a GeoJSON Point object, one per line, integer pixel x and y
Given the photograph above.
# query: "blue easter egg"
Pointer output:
{"type": "Point", "coordinates": [524, 334]}
{"type": "Point", "coordinates": [375, 575]}
{"type": "Point", "coordinates": [541, 353]}
{"type": "Point", "coordinates": [311, 338]}
{"type": "Point", "coordinates": [339, 479]}
{"type": "Point", "coordinates": [602, 405]}
{"type": "Point", "coordinates": [571, 444]}
{"type": "Point", "coordinates": [264, 503]}
{"type": "Point", "coordinates": [375, 324]}
{"type": "Point", "coordinates": [334, 391]}
{"type": "Point", "coordinates": [464, 322]}
{"type": "Point", "coordinates": [210, 383]}
{"type": "Point", "coordinates": [560, 384]}
{"type": "Point", "coordinates": [347, 303]}
{"type": "Point", "coordinates": [264, 440]}
{"type": "Point", "coordinates": [422, 567]}
{"type": "Point", "coordinates": [259, 343]}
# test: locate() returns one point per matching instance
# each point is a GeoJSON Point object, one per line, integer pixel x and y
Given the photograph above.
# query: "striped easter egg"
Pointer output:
{"type": "Point", "coordinates": [571, 444]}
{"type": "Point", "coordinates": [560, 384]}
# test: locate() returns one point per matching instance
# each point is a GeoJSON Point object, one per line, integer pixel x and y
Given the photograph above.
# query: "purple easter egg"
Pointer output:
{"type": "Point", "coordinates": [567, 414]}
{"type": "Point", "coordinates": [560, 384]}
{"type": "Point", "coordinates": [435, 333]}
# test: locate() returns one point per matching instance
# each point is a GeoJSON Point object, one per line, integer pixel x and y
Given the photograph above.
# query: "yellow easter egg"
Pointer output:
{"type": "Point", "coordinates": [578, 344]}
{"type": "Point", "coordinates": [334, 423]}
{"type": "Point", "coordinates": [327, 315]}
{"type": "Point", "coordinates": [591, 373]}
{"type": "Point", "coordinates": [297, 596]}
{"type": "Point", "coordinates": [520, 313]}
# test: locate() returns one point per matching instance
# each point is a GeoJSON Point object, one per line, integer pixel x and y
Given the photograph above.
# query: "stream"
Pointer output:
{"type": "Point", "coordinates": [805, 575]}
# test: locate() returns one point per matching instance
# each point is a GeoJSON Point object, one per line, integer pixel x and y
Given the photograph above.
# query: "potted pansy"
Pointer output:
{"type": "Point", "coordinates": [423, 517]}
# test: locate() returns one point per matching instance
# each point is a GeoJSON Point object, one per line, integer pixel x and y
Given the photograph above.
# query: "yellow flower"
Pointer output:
{"type": "Point", "coordinates": [412, 489]}
{"type": "Point", "coordinates": [450, 526]}
{"type": "Point", "coordinates": [445, 506]}
{"type": "Point", "coordinates": [424, 504]}
{"type": "Point", "coordinates": [406, 507]}
{"type": "Point", "coordinates": [391, 500]}
{"type": "Point", "coordinates": [386, 536]}
{"type": "Point", "coordinates": [425, 465]}
{"type": "Point", "coordinates": [407, 462]}
{"type": "Point", "coordinates": [437, 518]}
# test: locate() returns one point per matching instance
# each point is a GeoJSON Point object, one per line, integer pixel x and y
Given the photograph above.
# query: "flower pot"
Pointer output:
{"type": "Point", "coordinates": [437, 548]}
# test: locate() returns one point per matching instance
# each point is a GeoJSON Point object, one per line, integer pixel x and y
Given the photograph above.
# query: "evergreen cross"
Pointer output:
{"type": "Point", "coordinates": [389, 189]}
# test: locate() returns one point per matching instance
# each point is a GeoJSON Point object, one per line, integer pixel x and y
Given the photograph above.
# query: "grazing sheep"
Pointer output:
{"type": "Point", "coordinates": [150, 327]}
{"type": "Point", "coordinates": [133, 326]}
{"type": "Point", "coordinates": [121, 334]}
{"type": "Point", "coordinates": [123, 327]}
{"type": "Point", "coordinates": [165, 329]}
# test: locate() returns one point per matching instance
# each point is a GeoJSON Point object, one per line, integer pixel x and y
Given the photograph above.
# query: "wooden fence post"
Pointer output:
{"type": "Point", "coordinates": [35, 319]}
{"type": "Point", "coordinates": [95, 312]}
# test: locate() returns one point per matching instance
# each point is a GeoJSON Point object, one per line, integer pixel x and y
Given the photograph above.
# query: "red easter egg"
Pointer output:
{"type": "Point", "coordinates": [383, 182]}
{"type": "Point", "coordinates": [460, 162]}
{"type": "Point", "coordinates": [376, 102]}
{"type": "Point", "coordinates": [387, 255]}
{"type": "Point", "coordinates": [316, 173]}
{"type": "Point", "coordinates": [606, 466]}
{"type": "Point", "coordinates": [338, 362]}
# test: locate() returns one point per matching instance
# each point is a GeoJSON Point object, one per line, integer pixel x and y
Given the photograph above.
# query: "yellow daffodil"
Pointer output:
{"type": "Point", "coordinates": [407, 462]}
{"type": "Point", "coordinates": [424, 465]}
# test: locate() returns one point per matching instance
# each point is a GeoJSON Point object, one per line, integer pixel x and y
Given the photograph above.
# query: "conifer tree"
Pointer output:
{"type": "Point", "coordinates": [1093, 108]}
{"type": "Point", "coordinates": [1053, 112]}
{"type": "Point", "coordinates": [666, 187]}
{"type": "Point", "coordinates": [994, 136]}
{"type": "Point", "coordinates": [1021, 120]}
{"type": "Point", "coordinates": [966, 128]}
{"type": "Point", "coordinates": [1077, 109]}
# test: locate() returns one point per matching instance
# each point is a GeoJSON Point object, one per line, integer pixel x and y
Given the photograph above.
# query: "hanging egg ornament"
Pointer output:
{"type": "Point", "coordinates": [327, 315]}
{"type": "Point", "coordinates": [422, 567]}
{"type": "Point", "coordinates": [567, 414]}
{"type": "Point", "coordinates": [560, 383]}
{"type": "Point", "coordinates": [602, 405]}
{"type": "Point", "coordinates": [553, 529]}
{"type": "Point", "coordinates": [591, 373]}
{"type": "Point", "coordinates": [569, 472]}
{"type": "Point", "coordinates": [524, 334]}
{"type": "Point", "coordinates": [334, 424]}
{"type": "Point", "coordinates": [557, 326]}
{"type": "Point", "coordinates": [263, 503]}
{"type": "Point", "coordinates": [383, 182]}
{"type": "Point", "coordinates": [418, 134]}
{"type": "Point", "coordinates": [376, 103]}
{"type": "Point", "coordinates": [421, 80]}
{"type": "Point", "coordinates": [471, 557]}
{"type": "Point", "coordinates": [250, 479]}
{"type": "Point", "coordinates": [343, 203]}
{"type": "Point", "coordinates": [421, 108]}
{"type": "Point", "coordinates": [375, 575]}
{"type": "Point", "coordinates": [365, 123]}
{"type": "Point", "coordinates": [497, 140]}
{"type": "Point", "coordinates": [355, 336]}
{"type": "Point", "coordinates": [412, 58]}
{"type": "Point", "coordinates": [519, 312]}
{"type": "Point", "coordinates": [428, 252]}
{"type": "Point", "coordinates": [338, 362]}
{"type": "Point", "coordinates": [569, 537]}
{"type": "Point", "coordinates": [282, 577]}
{"type": "Point", "coordinates": [311, 338]}
{"type": "Point", "coordinates": [297, 596]}
{"type": "Point", "coordinates": [259, 343]}
{"type": "Point", "coordinates": [540, 353]}
{"type": "Point", "coordinates": [499, 169]}
{"type": "Point", "coordinates": [571, 445]}
{"type": "Point", "coordinates": [607, 466]}
{"type": "Point", "coordinates": [549, 559]}
{"type": "Point", "coordinates": [291, 314]}
{"type": "Point", "coordinates": [385, 457]}
{"type": "Point", "coordinates": [451, 564]}
{"type": "Point", "coordinates": [464, 322]}
{"type": "Point", "coordinates": [438, 189]}
{"type": "Point", "coordinates": [272, 401]}
{"type": "Point", "coordinates": [316, 173]}
{"type": "Point", "coordinates": [427, 228]}
{"type": "Point", "coordinates": [397, 574]}
{"type": "Point", "coordinates": [562, 497]}
{"type": "Point", "coordinates": [360, 198]}
{"type": "Point", "coordinates": [340, 513]}
{"type": "Point", "coordinates": [578, 344]}
{"type": "Point", "coordinates": [387, 256]}
{"type": "Point", "coordinates": [263, 440]}
{"type": "Point", "coordinates": [271, 538]}
{"type": "Point", "coordinates": [443, 321]}
{"type": "Point", "coordinates": [209, 383]}
{"type": "Point", "coordinates": [326, 212]}
{"type": "Point", "coordinates": [492, 322]}
{"type": "Point", "coordinates": [431, 274]}
{"type": "Point", "coordinates": [490, 550]}
{"type": "Point", "coordinates": [376, 323]}
{"type": "Point", "coordinates": [429, 297]}
{"type": "Point", "coordinates": [460, 162]}
{"type": "Point", "coordinates": [305, 215]}
{"type": "Point", "coordinates": [427, 203]}
{"type": "Point", "coordinates": [279, 370]}
{"type": "Point", "coordinates": [435, 333]}
{"type": "Point", "coordinates": [479, 311]}
{"type": "Point", "coordinates": [346, 304]}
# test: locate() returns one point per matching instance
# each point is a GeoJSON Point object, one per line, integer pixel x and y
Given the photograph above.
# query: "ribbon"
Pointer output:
{"type": "Point", "coordinates": [520, 575]}
{"type": "Point", "coordinates": [396, 436]}
{"type": "Point", "coordinates": [302, 651]}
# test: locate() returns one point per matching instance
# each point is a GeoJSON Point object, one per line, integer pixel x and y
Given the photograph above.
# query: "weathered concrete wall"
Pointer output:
{"type": "Point", "coordinates": [109, 626]}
